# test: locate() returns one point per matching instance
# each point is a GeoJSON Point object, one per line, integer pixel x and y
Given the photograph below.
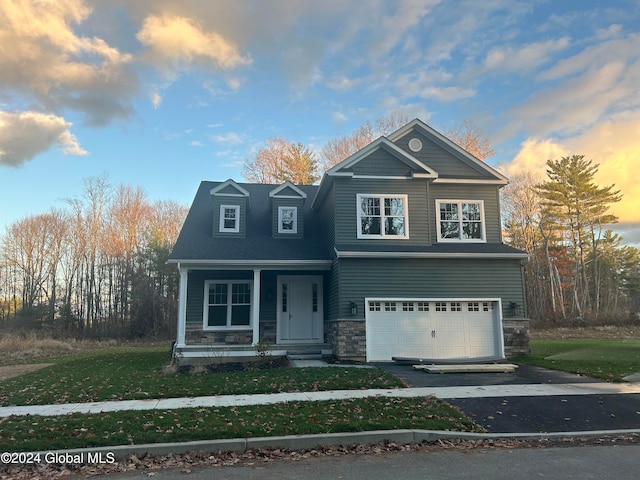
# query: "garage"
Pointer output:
{"type": "Point", "coordinates": [433, 329]}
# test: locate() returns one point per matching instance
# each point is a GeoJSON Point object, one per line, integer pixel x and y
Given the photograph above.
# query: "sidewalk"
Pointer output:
{"type": "Point", "coordinates": [487, 391]}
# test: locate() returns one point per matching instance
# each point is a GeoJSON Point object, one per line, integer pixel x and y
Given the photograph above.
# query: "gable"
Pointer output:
{"type": "Point", "coordinates": [451, 161]}
{"type": "Point", "coordinates": [445, 163]}
{"type": "Point", "coordinates": [381, 163]}
{"type": "Point", "coordinates": [229, 188]}
{"type": "Point", "coordinates": [287, 190]}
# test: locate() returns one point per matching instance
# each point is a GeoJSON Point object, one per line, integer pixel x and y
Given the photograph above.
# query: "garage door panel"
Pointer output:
{"type": "Point", "coordinates": [432, 330]}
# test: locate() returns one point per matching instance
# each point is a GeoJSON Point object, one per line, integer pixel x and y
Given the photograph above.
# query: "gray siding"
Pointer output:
{"type": "Point", "coordinates": [326, 214]}
{"type": "Point", "coordinates": [229, 200]}
{"type": "Point", "coordinates": [346, 191]}
{"type": "Point", "coordinates": [428, 278]}
{"type": "Point", "coordinates": [287, 202]}
{"type": "Point", "coordinates": [488, 193]}
{"type": "Point", "coordinates": [380, 163]}
{"type": "Point", "coordinates": [443, 162]}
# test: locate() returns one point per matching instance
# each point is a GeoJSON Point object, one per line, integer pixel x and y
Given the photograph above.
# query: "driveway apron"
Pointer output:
{"type": "Point", "coordinates": [523, 414]}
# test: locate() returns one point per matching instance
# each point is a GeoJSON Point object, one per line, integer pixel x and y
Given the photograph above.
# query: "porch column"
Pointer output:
{"type": "Point", "coordinates": [182, 308]}
{"type": "Point", "coordinates": [255, 306]}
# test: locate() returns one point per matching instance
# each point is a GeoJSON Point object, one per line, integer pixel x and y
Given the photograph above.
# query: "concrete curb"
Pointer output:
{"type": "Point", "coordinates": [303, 442]}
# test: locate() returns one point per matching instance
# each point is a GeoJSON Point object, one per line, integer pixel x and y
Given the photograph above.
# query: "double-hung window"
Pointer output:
{"type": "Point", "coordinates": [382, 216]}
{"type": "Point", "coordinates": [227, 304]}
{"type": "Point", "coordinates": [229, 218]}
{"type": "Point", "coordinates": [287, 220]}
{"type": "Point", "coordinates": [460, 220]}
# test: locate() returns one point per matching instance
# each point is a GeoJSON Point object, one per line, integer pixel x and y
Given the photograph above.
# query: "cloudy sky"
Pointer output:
{"type": "Point", "coordinates": [163, 94]}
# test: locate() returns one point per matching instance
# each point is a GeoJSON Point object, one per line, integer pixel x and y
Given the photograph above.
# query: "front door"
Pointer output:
{"type": "Point", "coordinates": [300, 314]}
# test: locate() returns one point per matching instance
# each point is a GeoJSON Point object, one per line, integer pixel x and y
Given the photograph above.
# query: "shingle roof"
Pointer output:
{"type": "Point", "coordinates": [196, 241]}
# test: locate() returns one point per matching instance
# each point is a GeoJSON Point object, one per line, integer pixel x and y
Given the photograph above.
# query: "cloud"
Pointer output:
{"type": "Point", "coordinates": [23, 135]}
{"type": "Point", "coordinates": [156, 99]}
{"type": "Point", "coordinates": [523, 58]}
{"type": "Point", "coordinates": [611, 144]}
{"type": "Point", "coordinates": [177, 42]}
{"type": "Point", "coordinates": [50, 64]}
{"type": "Point", "coordinates": [230, 138]}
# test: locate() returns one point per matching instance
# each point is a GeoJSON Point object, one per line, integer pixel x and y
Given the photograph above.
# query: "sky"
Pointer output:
{"type": "Point", "coordinates": [161, 94]}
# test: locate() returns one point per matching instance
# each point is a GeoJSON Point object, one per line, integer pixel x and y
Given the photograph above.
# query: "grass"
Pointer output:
{"type": "Point", "coordinates": [33, 433]}
{"type": "Point", "coordinates": [609, 359]}
{"type": "Point", "coordinates": [31, 347]}
{"type": "Point", "coordinates": [120, 373]}
{"type": "Point", "coordinates": [130, 373]}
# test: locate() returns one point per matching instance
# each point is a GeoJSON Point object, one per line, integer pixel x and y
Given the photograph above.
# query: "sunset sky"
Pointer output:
{"type": "Point", "coordinates": [163, 94]}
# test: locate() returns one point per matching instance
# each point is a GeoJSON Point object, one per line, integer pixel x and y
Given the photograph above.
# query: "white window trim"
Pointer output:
{"type": "Point", "coordinates": [405, 199]}
{"type": "Point", "coordinates": [205, 310]}
{"type": "Point", "coordinates": [483, 235]}
{"type": "Point", "coordinates": [281, 210]}
{"type": "Point", "coordinates": [221, 228]}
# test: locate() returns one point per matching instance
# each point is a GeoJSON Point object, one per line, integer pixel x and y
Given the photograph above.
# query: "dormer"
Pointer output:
{"type": "Point", "coordinates": [230, 205]}
{"type": "Point", "coordinates": [287, 219]}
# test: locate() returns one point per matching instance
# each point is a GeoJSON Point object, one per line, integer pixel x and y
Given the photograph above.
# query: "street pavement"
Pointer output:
{"type": "Point", "coordinates": [586, 463]}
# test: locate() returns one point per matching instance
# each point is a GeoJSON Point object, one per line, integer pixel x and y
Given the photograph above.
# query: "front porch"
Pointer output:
{"type": "Point", "coordinates": [239, 314]}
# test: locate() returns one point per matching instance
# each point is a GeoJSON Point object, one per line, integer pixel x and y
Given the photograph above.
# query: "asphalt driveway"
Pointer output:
{"type": "Point", "coordinates": [566, 413]}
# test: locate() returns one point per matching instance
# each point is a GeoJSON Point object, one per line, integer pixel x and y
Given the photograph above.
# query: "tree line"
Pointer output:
{"type": "Point", "coordinates": [95, 268]}
{"type": "Point", "coordinates": [98, 267]}
{"type": "Point", "coordinates": [579, 271]}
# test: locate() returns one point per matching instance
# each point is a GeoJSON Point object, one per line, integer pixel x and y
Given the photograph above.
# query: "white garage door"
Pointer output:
{"type": "Point", "coordinates": [433, 329]}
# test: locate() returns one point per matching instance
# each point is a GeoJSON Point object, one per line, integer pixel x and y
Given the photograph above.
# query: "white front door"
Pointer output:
{"type": "Point", "coordinates": [300, 314]}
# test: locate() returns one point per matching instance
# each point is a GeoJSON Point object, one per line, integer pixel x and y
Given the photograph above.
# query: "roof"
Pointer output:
{"type": "Point", "coordinates": [197, 243]}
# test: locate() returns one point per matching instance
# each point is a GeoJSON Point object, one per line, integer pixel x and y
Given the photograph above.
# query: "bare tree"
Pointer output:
{"type": "Point", "coordinates": [469, 137]}
{"type": "Point", "coordinates": [337, 149]}
{"type": "Point", "coordinates": [280, 161]}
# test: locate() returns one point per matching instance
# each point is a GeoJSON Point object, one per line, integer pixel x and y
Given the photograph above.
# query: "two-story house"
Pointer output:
{"type": "Point", "coordinates": [397, 253]}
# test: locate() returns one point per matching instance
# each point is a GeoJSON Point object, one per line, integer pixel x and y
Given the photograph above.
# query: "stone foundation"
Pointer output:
{"type": "Point", "coordinates": [196, 335]}
{"type": "Point", "coordinates": [347, 337]}
{"type": "Point", "coordinates": [517, 337]}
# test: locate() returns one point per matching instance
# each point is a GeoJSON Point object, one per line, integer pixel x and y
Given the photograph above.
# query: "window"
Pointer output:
{"type": "Point", "coordinates": [441, 306]}
{"type": "Point", "coordinates": [374, 306]}
{"type": "Point", "coordinates": [460, 220]}
{"type": "Point", "coordinates": [229, 218]}
{"type": "Point", "coordinates": [287, 220]}
{"type": "Point", "coordinates": [473, 306]}
{"type": "Point", "coordinates": [423, 306]}
{"type": "Point", "coordinates": [407, 306]}
{"type": "Point", "coordinates": [456, 307]}
{"type": "Point", "coordinates": [227, 304]}
{"type": "Point", "coordinates": [382, 216]}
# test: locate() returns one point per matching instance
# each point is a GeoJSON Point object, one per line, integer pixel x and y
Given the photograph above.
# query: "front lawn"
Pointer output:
{"type": "Point", "coordinates": [610, 359]}
{"type": "Point", "coordinates": [127, 373]}
{"type": "Point", "coordinates": [131, 373]}
{"type": "Point", "coordinates": [34, 433]}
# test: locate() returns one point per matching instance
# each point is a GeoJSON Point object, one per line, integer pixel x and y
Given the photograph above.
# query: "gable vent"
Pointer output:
{"type": "Point", "coordinates": [415, 145]}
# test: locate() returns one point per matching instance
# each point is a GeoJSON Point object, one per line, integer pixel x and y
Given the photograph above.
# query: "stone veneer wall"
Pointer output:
{"type": "Point", "coordinates": [517, 337]}
{"type": "Point", "coordinates": [348, 338]}
{"type": "Point", "coordinates": [196, 335]}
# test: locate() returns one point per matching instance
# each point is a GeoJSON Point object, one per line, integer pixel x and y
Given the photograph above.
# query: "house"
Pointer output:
{"type": "Point", "coordinates": [396, 253]}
